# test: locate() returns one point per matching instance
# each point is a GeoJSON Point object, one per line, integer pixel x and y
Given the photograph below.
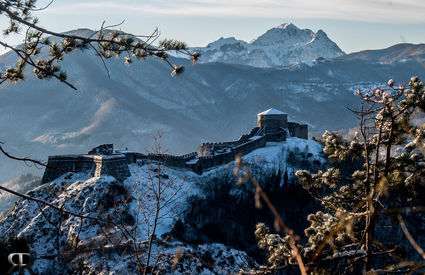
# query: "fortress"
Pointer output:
{"type": "Point", "coordinates": [272, 126]}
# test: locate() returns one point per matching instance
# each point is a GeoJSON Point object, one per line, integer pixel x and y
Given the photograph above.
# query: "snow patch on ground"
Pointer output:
{"type": "Point", "coordinates": [275, 156]}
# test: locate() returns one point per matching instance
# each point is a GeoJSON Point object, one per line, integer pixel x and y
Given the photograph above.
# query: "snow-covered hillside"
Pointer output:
{"type": "Point", "coordinates": [21, 184]}
{"type": "Point", "coordinates": [89, 245]}
{"type": "Point", "coordinates": [279, 46]}
{"type": "Point", "coordinates": [114, 207]}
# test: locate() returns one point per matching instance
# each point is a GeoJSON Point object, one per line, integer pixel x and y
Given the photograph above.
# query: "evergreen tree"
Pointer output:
{"type": "Point", "coordinates": [360, 229]}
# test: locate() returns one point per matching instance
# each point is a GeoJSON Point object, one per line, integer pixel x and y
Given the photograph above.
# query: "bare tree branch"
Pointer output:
{"type": "Point", "coordinates": [410, 238]}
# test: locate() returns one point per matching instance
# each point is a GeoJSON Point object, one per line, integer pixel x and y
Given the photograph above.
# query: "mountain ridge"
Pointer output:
{"type": "Point", "coordinates": [278, 46]}
{"type": "Point", "coordinates": [394, 53]}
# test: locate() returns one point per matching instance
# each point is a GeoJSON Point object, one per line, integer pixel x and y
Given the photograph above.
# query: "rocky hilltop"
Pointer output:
{"type": "Point", "coordinates": [118, 216]}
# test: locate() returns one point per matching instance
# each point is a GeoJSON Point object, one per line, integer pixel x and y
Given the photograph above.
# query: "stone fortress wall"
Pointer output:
{"type": "Point", "coordinates": [298, 130]}
{"type": "Point", "coordinates": [273, 126]}
{"type": "Point", "coordinates": [109, 164]}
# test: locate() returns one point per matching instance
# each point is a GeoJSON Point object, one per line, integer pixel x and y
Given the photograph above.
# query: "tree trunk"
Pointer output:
{"type": "Point", "coordinates": [370, 236]}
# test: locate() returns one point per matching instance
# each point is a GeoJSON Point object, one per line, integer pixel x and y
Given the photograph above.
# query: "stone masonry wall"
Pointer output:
{"type": "Point", "coordinates": [59, 165]}
{"type": "Point", "coordinates": [298, 130]}
{"type": "Point", "coordinates": [114, 165]}
{"type": "Point", "coordinates": [169, 160]}
{"type": "Point", "coordinates": [207, 162]}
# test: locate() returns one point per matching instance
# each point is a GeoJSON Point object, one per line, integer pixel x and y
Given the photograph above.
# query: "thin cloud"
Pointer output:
{"type": "Point", "coordinates": [396, 11]}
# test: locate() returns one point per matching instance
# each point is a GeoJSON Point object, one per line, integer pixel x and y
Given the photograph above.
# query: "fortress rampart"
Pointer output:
{"type": "Point", "coordinates": [113, 165]}
{"type": "Point", "coordinates": [273, 126]}
{"type": "Point", "coordinates": [298, 130]}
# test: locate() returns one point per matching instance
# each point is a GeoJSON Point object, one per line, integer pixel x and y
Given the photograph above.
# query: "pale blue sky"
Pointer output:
{"type": "Point", "coordinates": [353, 24]}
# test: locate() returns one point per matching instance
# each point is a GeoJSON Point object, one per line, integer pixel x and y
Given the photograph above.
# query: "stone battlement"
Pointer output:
{"type": "Point", "coordinates": [115, 165]}
{"type": "Point", "coordinates": [273, 126]}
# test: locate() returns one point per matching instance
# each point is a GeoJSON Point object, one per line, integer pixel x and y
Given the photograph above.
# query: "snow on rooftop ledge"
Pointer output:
{"type": "Point", "coordinates": [271, 111]}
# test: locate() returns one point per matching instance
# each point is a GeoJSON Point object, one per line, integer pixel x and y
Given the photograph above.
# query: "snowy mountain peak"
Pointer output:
{"type": "Point", "coordinates": [320, 35]}
{"type": "Point", "coordinates": [281, 34]}
{"type": "Point", "coordinates": [287, 26]}
{"type": "Point", "coordinates": [279, 46]}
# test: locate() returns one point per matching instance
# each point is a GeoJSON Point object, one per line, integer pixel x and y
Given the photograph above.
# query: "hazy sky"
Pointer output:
{"type": "Point", "coordinates": [353, 24]}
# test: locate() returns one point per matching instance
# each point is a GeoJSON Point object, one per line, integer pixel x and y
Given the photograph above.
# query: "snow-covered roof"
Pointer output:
{"type": "Point", "coordinates": [271, 111]}
{"type": "Point", "coordinates": [124, 151]}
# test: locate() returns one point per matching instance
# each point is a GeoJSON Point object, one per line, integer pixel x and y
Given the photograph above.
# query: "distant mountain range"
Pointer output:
{"type": "Point", "coordinates": [397, 53]}
{"type": "Point", "coordinates": [211, 101]}
{"type": "Point", "coordinates": [282, 45]}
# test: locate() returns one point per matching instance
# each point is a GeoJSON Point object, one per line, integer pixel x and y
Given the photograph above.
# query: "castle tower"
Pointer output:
{"type": "Point", "coordinates": [272, 120]}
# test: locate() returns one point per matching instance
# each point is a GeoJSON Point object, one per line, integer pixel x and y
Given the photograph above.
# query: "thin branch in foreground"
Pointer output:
{"type": "Point", "coordinates": [115, 44]}
{"type": "Point", "coordinates": [289, 232]}
{"type": "Point", "coordinates": [410, 238]}
{"type": "Point", "coordinates": [278, 218]}
{"type": "Point", "coordinates": [47, 203]}
{"type": "Point", "coordinates": [26, 160]}
{"type": "Point", "coordinates": [45, 7]}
